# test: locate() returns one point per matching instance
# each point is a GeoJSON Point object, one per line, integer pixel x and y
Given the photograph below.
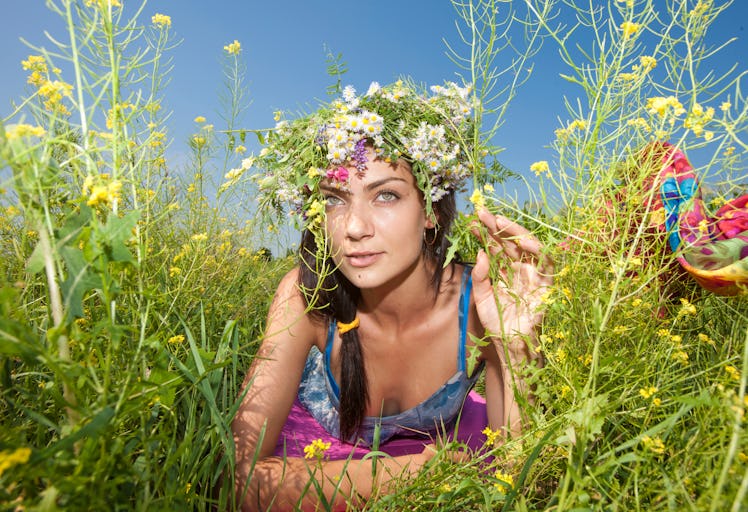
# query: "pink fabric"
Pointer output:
{"type": "Point", "coordinates": [301, 429]}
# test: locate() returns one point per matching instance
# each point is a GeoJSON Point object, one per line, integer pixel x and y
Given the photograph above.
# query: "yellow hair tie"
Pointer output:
{"type": "Point", "coordinates": [344, 328]}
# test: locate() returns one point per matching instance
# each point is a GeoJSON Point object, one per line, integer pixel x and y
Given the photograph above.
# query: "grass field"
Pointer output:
{"type": "Point", "coordinates": [132, 298]}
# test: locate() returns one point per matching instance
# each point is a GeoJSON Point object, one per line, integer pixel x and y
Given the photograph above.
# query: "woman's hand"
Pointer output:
{"type": "Point", "coordinates": [509, 308]}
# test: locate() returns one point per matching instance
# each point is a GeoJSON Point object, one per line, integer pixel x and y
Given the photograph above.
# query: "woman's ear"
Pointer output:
{"type": "Point", "coordinates": [431, 221]}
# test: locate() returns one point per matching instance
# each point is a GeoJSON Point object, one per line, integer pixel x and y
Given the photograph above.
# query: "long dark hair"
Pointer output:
{"type": "Point", "coordinates": [332, 297]}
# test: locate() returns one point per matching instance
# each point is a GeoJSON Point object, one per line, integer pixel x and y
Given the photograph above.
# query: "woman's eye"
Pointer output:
{"type": "Point", "coordinates": [332, 201]}
{"type": "Point", "coordinates": [387, 196]}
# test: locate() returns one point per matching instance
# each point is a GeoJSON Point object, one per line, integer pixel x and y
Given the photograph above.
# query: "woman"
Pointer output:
{"type": "Point", "coordinates": [367, 338]}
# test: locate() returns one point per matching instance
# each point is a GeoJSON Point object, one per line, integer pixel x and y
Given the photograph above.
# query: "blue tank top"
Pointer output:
{"type": "Point", "coordinates": [319, 393]}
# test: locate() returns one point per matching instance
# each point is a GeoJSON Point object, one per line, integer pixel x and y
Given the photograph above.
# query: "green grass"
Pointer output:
{"type": "Point", "coordinates": [131, 312]}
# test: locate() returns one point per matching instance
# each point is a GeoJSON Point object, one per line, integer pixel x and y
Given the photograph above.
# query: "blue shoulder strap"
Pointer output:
{"type": "Point", "coordinates": [328, 351]}
{"type": "Point", "coordinates": [465, 289]}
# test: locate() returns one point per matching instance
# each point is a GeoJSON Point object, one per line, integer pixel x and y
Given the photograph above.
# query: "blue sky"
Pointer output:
{"type": "Point", "coordinates": [283, 47]}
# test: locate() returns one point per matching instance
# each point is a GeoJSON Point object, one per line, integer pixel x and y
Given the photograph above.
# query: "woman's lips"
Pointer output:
{"type": "Point", "coordinates": [362, 259]}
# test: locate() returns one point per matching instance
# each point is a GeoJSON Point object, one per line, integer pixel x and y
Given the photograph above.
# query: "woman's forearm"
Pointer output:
{"type": "Point", "coordinates": [294, 483]}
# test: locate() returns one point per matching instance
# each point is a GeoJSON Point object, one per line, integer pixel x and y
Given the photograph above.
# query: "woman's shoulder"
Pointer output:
{"type": "Point", "coordinates": [290, 308]}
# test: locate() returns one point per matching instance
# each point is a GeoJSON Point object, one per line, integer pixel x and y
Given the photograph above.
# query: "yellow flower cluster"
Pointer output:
{"type": "Point", "coordinates": [732, 372]}
{"type": "Point", "coordinates": [701, 8]}
{"type": "Point", "coordinates": [101, 192]}
{"type": "Point", "coordinates": [697, 118]}
{"type": "Point", "coordinates": [103, 3]}
{"type": "Point", "coordinates": [563, 134]}
{"type": "Point", "coordinates": [23, 130]}
{"type": "Point", "coordinates": [316, 213]}
{"type": "Point", "coordinates": [477, 199]}
{"type": "Point", "coordinates": [540, 167]}
{"type": "Point", "coordinates": [53, 92]}
{"type": "Point", "coordinates": [162, 20]}
{"type": "Point", "coordinates": [491, 436]}
{"type": "Point", "coordinates": [660, 105]}
{"type": "Point", "coordinates": [117, 112]}
{"type": "Point", "coordinates": [12, 458]}
{"type": "Point", "coordinates": [686, 309]}
{"type": "Point", "coordinates": [629, 29]}
{"type": "Point", "coordinates": [316, 449]}
{"type": "Point", "coordinates": [233, 48]}
{"type": "Point", "coordinates": [176, 340]}
{"type": "Point", "coordinates": [38, 67]}
{"type": "Point", "coordinates": [505, 481]}
{"type": "Point", "coordinates": [199, 119]}
{"type": "Point", "coordinates": [654, 444]}
{"type": "Point", "coordinates": [648, 391]}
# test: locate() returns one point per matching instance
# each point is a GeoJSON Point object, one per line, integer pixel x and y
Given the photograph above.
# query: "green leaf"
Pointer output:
{"type": "Point", "coordinates": [474, 352]}
{"type": "Point", "coordinates": [116, 232]}
{"type": "Point", "coordinates": [35, 263]}
{"type": "Point", "coordinates": [16, 340]}
{"type": "Point", "coordinates": [80, 279]}
{"type": "Point", "coordinates": [87, 431]}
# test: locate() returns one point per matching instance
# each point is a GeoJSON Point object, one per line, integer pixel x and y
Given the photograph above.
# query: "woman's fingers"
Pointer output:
{"type": "Point", "coordinates": [508, 237]}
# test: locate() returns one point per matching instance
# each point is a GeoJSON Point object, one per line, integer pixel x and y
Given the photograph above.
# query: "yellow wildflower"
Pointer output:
{"type": "Point", "coordinates": [686, 308]}
{"type": "Point", "coordinates": [647, 63]}
{"type": "Point", "coordinates": [11, 458]}
{"type": "Point", "coordinates": [660, 104]}
{"type": "Point", "coordinates": [732, 372]}
{"type": "Point", "coordinates": [23, 130]}
{"type": "Point", "coordinates": [620, 329]}
{"type": "Point", "coordinates": [477, 199]}
{"type": "Point", "coordinates": [199, 237]}
{"type": "Point", "coordinates": [277, 115]}
{"type": "Point", "coordinates": [681, 356]}
{"type": "Point", "coordinates": [233, 48]}
{"type": "Point", "coordinates": [505, 481]}
{"type": "Point", "coordinates": [704, 338]}
{"type": "Point", "coordinates": [578, 124]}
{"type": "Point", "coordinates": [174, 271]}
{"type": "Point", "coordinates": [540, 167]}
{"type": "Point", "coordinates": [654, 444]}
{"type": "Point", "coordinates": [316, 212]}
{"type": "Point", "coordinates": [198, 141]}
{"type": "Point", "coordinates": [656, 401]}
{"type": "Point", "coordinates": [175, 340]}
{"type": "Point", "coordinates": [316, 449]}
{"type": "Point", "coordinates": [38, 67]}
{"type": "Point", "coordinates": [725, 106]}
{"type": "Point", "coordinates": [161, 20]}
{"type": "Point", "coordinates": [648, 391]}
{"type": "Point", "coordinates": [491, 436]}
{"type": "Point", "coordinates": [629, 29]}
{"type": "Point", "coordinates": [104, 194]}
{"type": "Point", "coordinates": [313, 172]}
{"type": "Point", "coordinates": [53, 92]}
{"type": "Point", "coordinates": [240, 150]}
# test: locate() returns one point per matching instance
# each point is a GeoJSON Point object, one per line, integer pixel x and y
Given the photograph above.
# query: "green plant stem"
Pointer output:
{"type": "Point", "coordinates": [58, 317]}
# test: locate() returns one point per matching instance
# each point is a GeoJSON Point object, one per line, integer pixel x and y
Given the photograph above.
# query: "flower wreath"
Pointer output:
{"type": "Point", "coordinates": [434, 132]}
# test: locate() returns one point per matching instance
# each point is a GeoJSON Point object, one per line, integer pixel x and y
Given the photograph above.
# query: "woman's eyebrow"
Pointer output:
{"type": "Point", "coordinates": [369, 187]}
{"type": "Point", "coordinates": [379, 183]}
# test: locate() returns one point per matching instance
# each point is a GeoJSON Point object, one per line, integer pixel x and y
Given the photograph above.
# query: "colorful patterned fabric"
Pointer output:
{"type": "Point", "coordinates": [712, 249]}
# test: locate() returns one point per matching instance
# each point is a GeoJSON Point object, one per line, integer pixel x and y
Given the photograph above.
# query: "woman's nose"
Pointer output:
{"type": "Point", "coordinates": [358, 222]}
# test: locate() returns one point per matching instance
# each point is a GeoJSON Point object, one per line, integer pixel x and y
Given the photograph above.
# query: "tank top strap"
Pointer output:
{"type": "Point", "coordinates": [464, 314]}
{"type": "Point", "coordinates": [466, 287]}
{"type": "Point", "coordinates": [328, 351]}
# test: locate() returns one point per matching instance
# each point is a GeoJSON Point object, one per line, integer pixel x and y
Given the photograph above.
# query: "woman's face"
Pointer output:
{"type": "Point", "coordinates": [375, 223]}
